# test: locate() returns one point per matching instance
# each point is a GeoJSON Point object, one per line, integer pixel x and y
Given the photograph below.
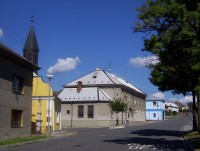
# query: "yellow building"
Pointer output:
{"type": "Point", "coordinates": [42, 99]}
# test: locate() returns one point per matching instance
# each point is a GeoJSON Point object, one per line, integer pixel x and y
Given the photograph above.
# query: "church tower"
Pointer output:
{"type": "Point", "coordinates": [31, 49]}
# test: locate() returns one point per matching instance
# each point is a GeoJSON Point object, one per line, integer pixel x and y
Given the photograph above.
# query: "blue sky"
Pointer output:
{"type": "Point", "coordinates": [78, 36]}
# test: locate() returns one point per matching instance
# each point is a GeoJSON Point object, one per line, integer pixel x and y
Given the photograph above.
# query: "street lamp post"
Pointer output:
{"type": "Point", "coordinates": [49, 77]}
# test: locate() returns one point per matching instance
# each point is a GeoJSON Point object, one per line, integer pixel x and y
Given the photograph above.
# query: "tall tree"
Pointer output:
{"type": "Point", "coordinates": [172, 30]}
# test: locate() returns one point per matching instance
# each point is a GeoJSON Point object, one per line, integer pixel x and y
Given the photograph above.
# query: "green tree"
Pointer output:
{"type": "Point", "coordinates": [172, 30]}
{"type": "Point", "coordinates": [189, 104]}
{"type": "Point", "coordinates": [117, 105]}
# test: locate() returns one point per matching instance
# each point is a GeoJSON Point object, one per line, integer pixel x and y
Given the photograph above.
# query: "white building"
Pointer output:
{"type": "Point", "coordinates": [171, 107]}
{"type": "Point", "coordinates": [85, 100]}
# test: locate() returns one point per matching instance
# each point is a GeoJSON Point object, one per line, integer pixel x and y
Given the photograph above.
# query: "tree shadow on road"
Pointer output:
{"type": "Point", "coordinates": [155, 132]}
{"type": "Point", "coordinates": [150, 139]}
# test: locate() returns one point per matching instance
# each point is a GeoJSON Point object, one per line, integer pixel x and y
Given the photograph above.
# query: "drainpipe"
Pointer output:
{"type": "Point", "coordinates": [60, 117]}
{"type": "Point", "coordinates": [71, 113]}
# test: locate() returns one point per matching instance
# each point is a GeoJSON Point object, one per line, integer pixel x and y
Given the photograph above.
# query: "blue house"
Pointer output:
{"type": "Point", "coordinates": [155, 109]}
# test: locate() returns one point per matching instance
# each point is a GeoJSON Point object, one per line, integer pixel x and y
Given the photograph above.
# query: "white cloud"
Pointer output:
{"type": "Point", "coordinates": [63, 65]}
{"type": "Point", "coordinates": [183, 100]}
{"type": "Point", "coordinates": [173, 100]}
{"type": "Point", "coordinates": [140, 62]}
{"type": "Point", "coordinates": [157, 96]}
{"type": "Point", "coordinates": [186, 99]}
{"type": "Point", "coordinates": [1, 32]}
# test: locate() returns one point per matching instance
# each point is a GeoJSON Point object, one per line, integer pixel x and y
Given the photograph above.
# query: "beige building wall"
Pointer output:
{"type": "Point", "coordinates": [102, 115]}
{"type": "Point", "coordinates": [136, 105]}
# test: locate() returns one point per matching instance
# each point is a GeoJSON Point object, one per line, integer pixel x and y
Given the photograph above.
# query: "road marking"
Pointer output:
{"type": "Point", "coordinates": [102, 135]}
{"type": "Point", "coordinates": [135, 146]}
{"type": "Point", "coordinates": [140, 147]}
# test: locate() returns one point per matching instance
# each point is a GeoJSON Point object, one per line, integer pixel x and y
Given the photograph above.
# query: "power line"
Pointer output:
{"type": "Point", "coordinates": [12, 34]}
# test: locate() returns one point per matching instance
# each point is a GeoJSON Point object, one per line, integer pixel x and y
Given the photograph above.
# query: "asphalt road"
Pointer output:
{"type": "Point", "coordinates": [162, 135]}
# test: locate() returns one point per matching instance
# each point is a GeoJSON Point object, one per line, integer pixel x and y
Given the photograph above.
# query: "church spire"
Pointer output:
{"type": "Point", "coordinates": [31, 49]}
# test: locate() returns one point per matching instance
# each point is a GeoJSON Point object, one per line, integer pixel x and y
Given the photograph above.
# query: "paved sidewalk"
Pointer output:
{"type": "Point", "coordinates": [187, 128]}
{"type": "Point", "coordinates": [63, 133]}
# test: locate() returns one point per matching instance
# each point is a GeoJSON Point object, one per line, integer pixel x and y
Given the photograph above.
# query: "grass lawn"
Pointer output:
{"type": "Point", "coordinates": [194, 139]}
{"type": "Point", "coordinates": [21, 140]}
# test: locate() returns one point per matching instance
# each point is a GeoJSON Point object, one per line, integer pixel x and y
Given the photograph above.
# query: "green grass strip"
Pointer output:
{"type": "Point", "coordinates": [21, 140]}
{"type": "Point", "coordinates": [194, 139]}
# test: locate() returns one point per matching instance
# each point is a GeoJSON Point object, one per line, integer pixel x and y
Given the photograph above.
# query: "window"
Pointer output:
{"type": "Point", "coordinates": [154, 103]}
{"type": "Point", "coordinates": [18, 84]}
{"type": "Point", "coordinates": [68, 112]}
{"type": "Point", "coordinates": [48, 119]}
{"type": "Point", "coordinates": [132, 112]}
{"type": "Point", "coordinates": [111, 113]}
{"type": "Point", "coordinates": [17, 118]}
{"type": "Point", "coordinates": [57, 118]}
{"type": "Point", "coordinates": [94, 77]}
{"type": "Point", "coordinates": [80, 111]}
{"type": "Point", "coordinates": [90, 111]}
{"type": "Point", "coordinates": [154, 114]}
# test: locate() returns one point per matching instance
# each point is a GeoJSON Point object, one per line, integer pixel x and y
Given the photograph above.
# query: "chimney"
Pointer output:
{"type": "Point", "coordinates": [79, 86]}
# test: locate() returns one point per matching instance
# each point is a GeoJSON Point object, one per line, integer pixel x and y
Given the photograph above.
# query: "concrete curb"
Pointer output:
{"type": "Point", "coordinates": [117, 127]}
{"type": "Point", "coordinates": [65, 133]}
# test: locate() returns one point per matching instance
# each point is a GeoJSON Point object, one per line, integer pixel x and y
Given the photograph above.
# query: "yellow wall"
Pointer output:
{"type": "Point", "coordinates": [40, 88]}
{"type": "Point", "coordinates": [41, 92]}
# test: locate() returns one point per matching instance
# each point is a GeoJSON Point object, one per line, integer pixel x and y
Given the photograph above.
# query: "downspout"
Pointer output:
{"type": "Point", "coordinates": [60, 117]}
{"type": "Point", "coordinates": [71, 114]}
{"type": "Point", "coordinates": [98, 94]}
